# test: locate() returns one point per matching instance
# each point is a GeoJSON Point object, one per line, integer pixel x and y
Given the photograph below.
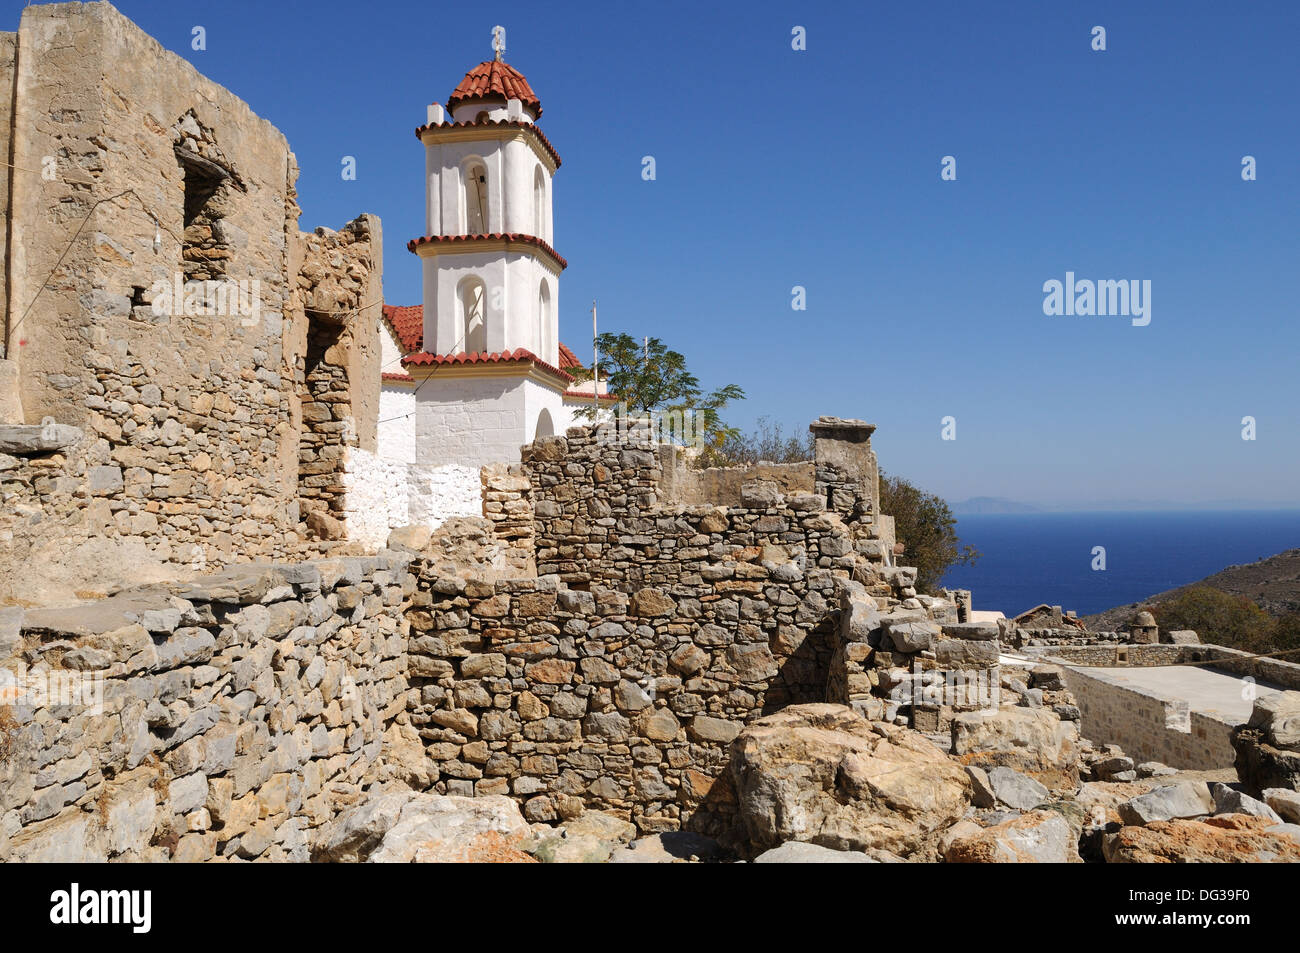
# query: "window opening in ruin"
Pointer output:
{"type": "Point", "coordinates": [209, 183]}
{"type": "Point", "coordinates": [137, 296]}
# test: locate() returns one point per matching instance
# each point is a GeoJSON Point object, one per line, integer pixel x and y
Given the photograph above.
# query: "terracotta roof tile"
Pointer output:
{"type": "Point", "coordinates": [567, 358]}
{"type": "Point", "coordinates": [509, 237]}
{"type": "Point", "coordinates": [407, 322]}
{"type": "Point", "coordinates": [586, 395]}
{"type": "Point", "coordinates": [403, 378]}
{"type": "Point", "coordinates": [516, 123]}
{"type": "Point", "coordinates": [494, 80]}
{"type": "Point", "coordinates": [519, 355]}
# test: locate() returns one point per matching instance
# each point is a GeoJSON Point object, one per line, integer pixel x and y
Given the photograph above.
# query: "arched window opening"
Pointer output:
{"type": "Point", "coordinates": [539, 204]}
{"type": "Point", "coordinates": [545, 426]}
{"type": "Point", "coordinates": [473, 316]}
{"type": "Point", "coordinates": [544, 322]}
{"type": "Point", "coordinates": [476, 201]}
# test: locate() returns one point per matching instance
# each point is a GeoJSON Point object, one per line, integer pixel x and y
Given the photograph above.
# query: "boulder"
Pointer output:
{"type": "Point", "coordinates": [413, 538]}
{"type": "Point", "coordinates": [669, 847]}
{"type": "Point", "coordinates": [1286, 802]}
{"type": "Point", "coordinates": [912, 636]}
{"type": "Point", "coordinates": [1227, 839]}
{"type": "Point", "coordinates": [1015, 789]}
{"type": "Point", "coordinates": [1268, 745]}
{"type": "Point", "coordinates": [822, 774]}
{"type": "Point", "coordinates": [1231, 801]}
{"type": "Point", "coordinates": [1187, 799]}
{"type": "Point", "coordinates": [1039, 837]}
{"type": "Point", "coordinates": [1033, 741]}
{"type": "Point", "coordinates": [798, 852]}
{"type": "Point", "coordinates": [406, 826]}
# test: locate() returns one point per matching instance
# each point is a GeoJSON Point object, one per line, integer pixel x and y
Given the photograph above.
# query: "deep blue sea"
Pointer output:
{"type": "Point", "coordinates": [1030, 558]}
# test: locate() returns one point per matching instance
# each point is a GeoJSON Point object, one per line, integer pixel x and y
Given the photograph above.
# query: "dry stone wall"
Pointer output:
{"type": "Point", "coordinates": [224, 718]}
{"type": "Point", "coordinates": [654, 631]}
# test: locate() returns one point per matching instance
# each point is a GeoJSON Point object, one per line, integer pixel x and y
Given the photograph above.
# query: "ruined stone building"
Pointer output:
{"type": "Point", "coordinates": [197, 376]}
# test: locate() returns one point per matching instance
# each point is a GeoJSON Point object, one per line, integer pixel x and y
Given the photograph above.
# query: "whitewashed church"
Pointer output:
{"type": "Point", "coordinates": [478, 369]}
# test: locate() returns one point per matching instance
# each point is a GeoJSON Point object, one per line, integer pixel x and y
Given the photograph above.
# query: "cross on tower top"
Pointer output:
{"type": "Point", "coordinates": [498, 42]}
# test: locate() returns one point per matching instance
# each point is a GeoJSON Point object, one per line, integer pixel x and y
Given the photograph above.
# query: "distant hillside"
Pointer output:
{"type": "Point", "coordinates": [1273, 584]}
{"type": "Point", "coordinates": [991, 504]}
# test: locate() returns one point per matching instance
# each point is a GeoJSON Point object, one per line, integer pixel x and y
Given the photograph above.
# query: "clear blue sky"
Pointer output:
{"type": "Point", "coordinates": [821, 168]}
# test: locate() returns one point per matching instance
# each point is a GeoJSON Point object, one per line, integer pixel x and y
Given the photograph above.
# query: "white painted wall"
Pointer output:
{"type": "Point", "coordinates": [472, 421]}
{"type": "Point", "coordinates": [385, 494]}
{"type": "Point", "coordinates": [397, 422]}
{"type": "Point", "coordinates": [376, 497]}
{"type": "Point", "coordinates": [469, 420]}
{"type": "Point", "coordinates": [437, 493]}
{"type": "Point", "coordinates": [568, 415]}
{"type": "Point", "coordinates": [512, 281]}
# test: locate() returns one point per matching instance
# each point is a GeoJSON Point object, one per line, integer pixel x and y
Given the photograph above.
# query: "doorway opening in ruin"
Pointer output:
{"type": "Point", "coordinates": [326, 426]}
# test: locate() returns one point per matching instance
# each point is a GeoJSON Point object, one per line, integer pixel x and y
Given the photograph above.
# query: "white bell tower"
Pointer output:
{"type": "Point", "coordinates": [491, 277]}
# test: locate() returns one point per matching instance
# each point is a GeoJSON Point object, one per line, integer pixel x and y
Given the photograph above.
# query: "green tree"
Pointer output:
{"type": "Point", "coordinates": [767, 442]}
{"type": "Point", "coordinates": [925, 525]}
{"type": "Point", "coordinates": [1218, 617]}
{"type": "Point", "coordinates": [651, 379]}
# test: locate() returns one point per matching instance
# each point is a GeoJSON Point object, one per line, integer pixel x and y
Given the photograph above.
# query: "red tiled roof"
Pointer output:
{"type": "Point", "coordinates": [508, 237]}
{"type": "Point", "coordinates": [392, 376]}
{"type": "Point", "coordinates": [519, 355]}
{"type": "Point", "coordinates": [407, 322]}
{"type": "Point", "coordinates": [494, 80]}
{"type": "Point", "coordinates": [586, 395]}
{"type": "Point", "coordinates": [516, 123]}
{"type": "Point", "coordinates": [567, 358]}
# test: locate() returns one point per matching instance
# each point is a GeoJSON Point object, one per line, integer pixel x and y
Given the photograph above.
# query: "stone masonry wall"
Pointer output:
{"type": "Point", "coordinates": [653, 632]}
{"type": "Point", "coordinates": [236, 713]}
{"type": "Point", "coordinates": [1146, 726]}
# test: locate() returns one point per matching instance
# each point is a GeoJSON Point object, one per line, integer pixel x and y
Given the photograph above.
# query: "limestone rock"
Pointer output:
{"type": "Point", "coordinates": [325, 526]}
{"type": "Point", "coordinates": [1286, 802]}
{"type": "Point", "coordinates": [668, 847]}
{"type": "Point", "coordinates": [1228, 839]}
{"type": "Point", "coordinates": [797, 852]}
{"type": "Point", "coordinates": [824, 775]}
{"type": "Point", "coordinates": [1039, 837]}
{"type": "Point", "coordinates": [1172, 801]}
{"type": "Point", "coordinates": [1015, 789]}
{"type": "Point", "coordinates": [24, 440]}
{"type": "Point", "coordinates": [1268, 745]}
{"type": "Point", "coordinates": [1033, 741]}
{"type": "Point", "coordinates": [414, 538]}
{"type": "Point", "coordinates": [406, 826]}
{"type": "Point", "coordinates": [1231, 801]}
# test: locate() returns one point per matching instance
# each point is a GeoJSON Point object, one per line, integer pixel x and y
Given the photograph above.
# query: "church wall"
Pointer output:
{"type": "Point", "coordinates": [397, 422]}
{"type": "Point", "coordinates": [470, 420]}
